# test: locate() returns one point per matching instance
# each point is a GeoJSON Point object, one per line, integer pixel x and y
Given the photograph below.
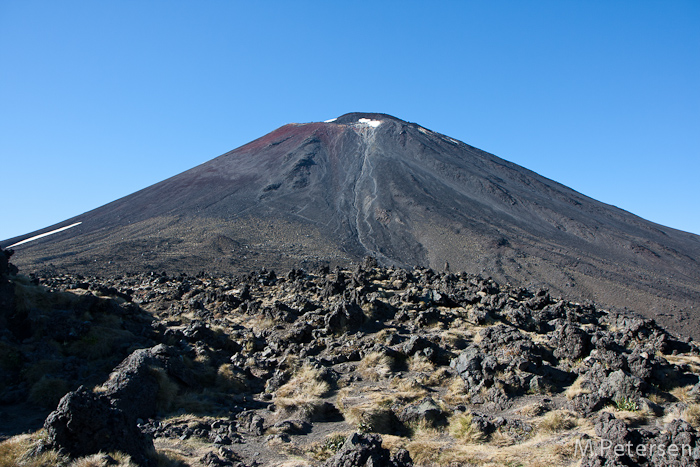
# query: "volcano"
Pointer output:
{"type": "Point", "coordinates": [331, 193]}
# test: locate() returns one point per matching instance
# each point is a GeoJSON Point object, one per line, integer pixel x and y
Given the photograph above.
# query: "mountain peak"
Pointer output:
{"type": "Point", "coordinates": [330, 193]}
{"type": "Point", "coordinates": [362, 117]}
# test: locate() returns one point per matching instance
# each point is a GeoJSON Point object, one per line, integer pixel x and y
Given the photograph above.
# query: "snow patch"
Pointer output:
{"type": "Point", "coordinates": [36, 237]}
{"type": "Point", "coordinates": [331, 120]}
{"type": "Point", "coordinates": [372, 123]}
{"type": "Point", "coordinates": [423, 130]}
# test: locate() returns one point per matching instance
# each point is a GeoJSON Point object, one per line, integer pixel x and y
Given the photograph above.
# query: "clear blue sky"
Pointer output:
{"type": "Point", "coordinates": [99, 99]}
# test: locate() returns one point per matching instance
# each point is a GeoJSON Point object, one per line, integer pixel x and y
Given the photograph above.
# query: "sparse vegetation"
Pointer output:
{"type": "Point", "coordinates": [270, 370]}
{"type": "Point", "coordinates": [462, 427]}
{"type": "Point", "coordinates": [375, 365]}
{"type": "Point", "coordinates": [627, 404]}
{"type": "Point", "coordinates": [557, 420]}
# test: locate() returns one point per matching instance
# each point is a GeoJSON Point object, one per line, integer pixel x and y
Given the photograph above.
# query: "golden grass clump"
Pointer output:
{"type": "Point", "coordinates": [691, 414]}
{"type": "Point", "coordinates": [368, 411]}
{"type": "Point", "coordinates": [103, 460]}
{"type": "Point", "coordinates": [462, 427]}
{"type": "Point", "coordinates": [303, 392]}
{"type": "Point", "coordinates": [456, 391]}
{"type": "Point", "coordinates": [17, 451]}
{"type": "Point", "coordinates": [576, 389]}
{"type": "Point", "coordinates": [420, 363]}
{"type": "Point", "coordinates": [407, 389]}
{"type": "Point", "coordinates": [229, 378]}
{"type": "Point", "coordinates": [375, 365]}
{"type": "Point", "coordinates": [557, 420]}
{"type": "Point", "coordinates": [684, 394]}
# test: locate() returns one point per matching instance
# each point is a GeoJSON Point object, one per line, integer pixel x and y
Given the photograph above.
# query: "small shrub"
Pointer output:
{"type": "Point", "coordinates": [47, 392]}
{"type": "Point", "coordinates": [328, 448]}
{"type": "Point", "coordinates": [626, 404]}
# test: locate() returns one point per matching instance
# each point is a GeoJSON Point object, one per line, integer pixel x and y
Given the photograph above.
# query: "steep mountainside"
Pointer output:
{"type": "Point", "coordinates": [371, 184]}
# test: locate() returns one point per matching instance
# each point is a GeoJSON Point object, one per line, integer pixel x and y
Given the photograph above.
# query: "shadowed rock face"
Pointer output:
{"type": "Point", "coordinates": [331, 193]}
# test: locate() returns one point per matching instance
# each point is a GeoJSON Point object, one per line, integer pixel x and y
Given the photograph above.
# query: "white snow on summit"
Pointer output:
{"type": "Point", "coordinates": [372, 123]}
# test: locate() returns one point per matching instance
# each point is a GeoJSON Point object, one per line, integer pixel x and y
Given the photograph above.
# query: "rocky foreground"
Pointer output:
{"type": "Point", "coordinates": [369, 366]}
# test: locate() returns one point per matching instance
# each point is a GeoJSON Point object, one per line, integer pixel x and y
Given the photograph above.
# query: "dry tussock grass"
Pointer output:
{"type": "Point", "coordinates": [693, 361]}
{"type": "Point", "coordinates": [441, 377]}
{"type": "Point", "coordinates": [461, 427]}
{"type": "Point", "coordinates": [407, 390]}
{"type": "Point", "coordinates": [303, 392]}
{"type": "Point", "coordinates": [557, 420]}
{"type": "Point", "coordinates": [576, 389]}
{"type": "Point", "coordinates": [19, 451]}
{"type": "Point", "coordinates": [683, 394]}
{"type": "Point", "coordinates": [229, 378]}
{"type": "Point", "coordinates": [691, 414]}
{"type": "Point", "coordinates": [420, 363]}
{"type": "Point", "coordinates": [456, 391]}
{"type": "Point", "coordinates": [375, 365]}
{"type": "Point", "coordinates": [103, 460]}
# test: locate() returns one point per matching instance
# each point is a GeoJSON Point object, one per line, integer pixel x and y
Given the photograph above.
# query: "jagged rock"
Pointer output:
{"type": "Point", "coordinates": [134, 384]}
{"type": "Point", "coordinates": [620, 386]}
{"type": "Point", "coordinates": [365, 450]}
{"type": "Point", "coordinates": [86, 423]}
{"type": "Point", "coordinates": [292, 427]}
{"type": "Point", "coordinates": [505, 341]}
{"type": "Point", "coordinates": [427, 410]}
{"type": "Point", "coordinates": [640, 364]}
{"type": "Point", "coordinates": [475, 368]}
{"type": "Point", "coordinates": [212, 460]}
{"type": "Point", "coordinates": [344, 316]}
{"type": "Point", "coordinates": [681, 434]}
{"type": "Point", "coordinates": [570, 342]}
{"type": "Point", "coordinates": [586, 404]}
{"type": "Point", "coordinates": [251, 422]}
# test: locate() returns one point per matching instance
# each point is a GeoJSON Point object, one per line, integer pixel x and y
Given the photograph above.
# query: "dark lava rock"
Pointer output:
{"type": "Point", "coordinates": [86, 423]}
{"type": "Point", "coordinates": [134, 384]}
{"type": "Point", "coordinates": [427, 410]}
{"type": "Point", "coordinates": [619, 385]}
{"type": "Point", "coordinates": [362, 450]}
{"type": "Point", "coordinates": [344, 316]}
{"type": "Point", "coordinates": [475, 367]}
{"type": "Point", "coordinates": [571, 342]}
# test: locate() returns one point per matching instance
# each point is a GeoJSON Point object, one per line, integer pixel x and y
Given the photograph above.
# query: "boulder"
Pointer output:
{"type": "Point", "coordinates": [475, 367]}
{"type": "Point", "coordinates": [365, 450]}
{"type": "Point", "coordinates": [344, 316]}
{"type": "Point", "coordinates": [87, 423]}
{"type": "Point", "coordinates": [427, 410]}
{"type": "Point", "coordinates": [620, 386]}
{"type": "Point", "coordinates": [133, 386]}
{"type": "Point", "coordinates": [571, 342]}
